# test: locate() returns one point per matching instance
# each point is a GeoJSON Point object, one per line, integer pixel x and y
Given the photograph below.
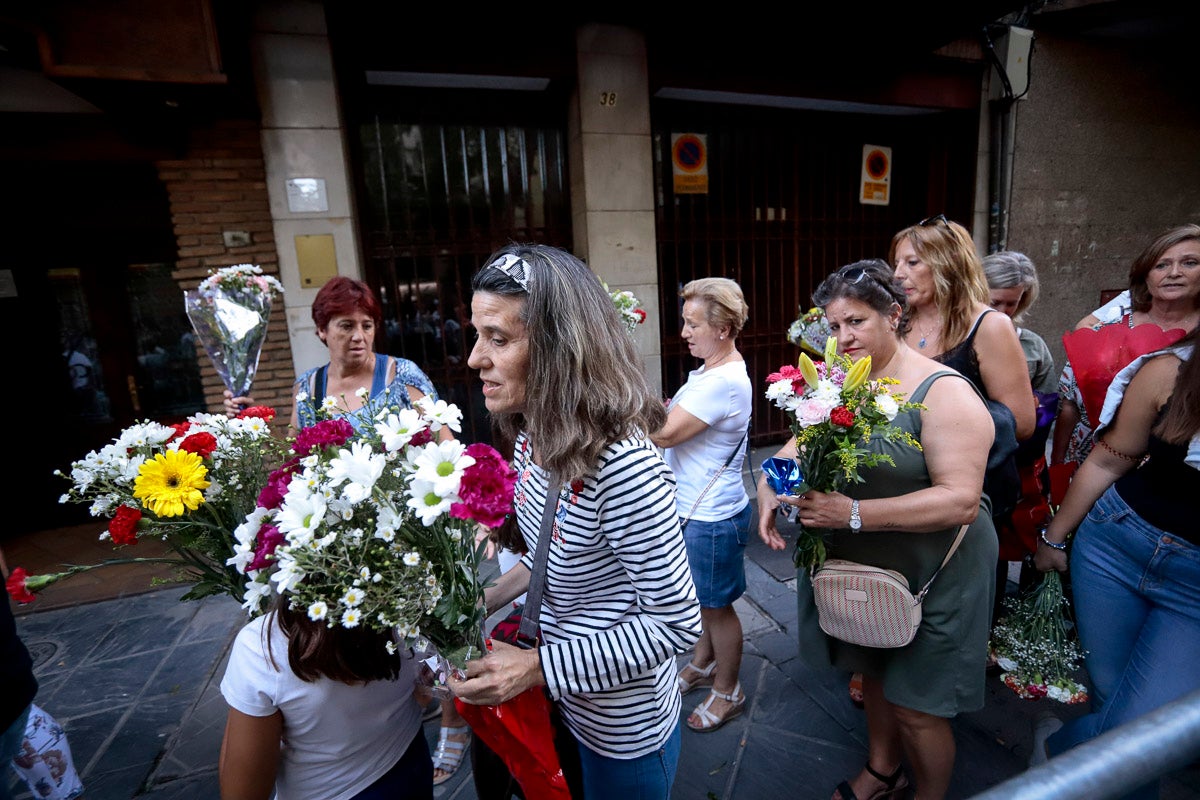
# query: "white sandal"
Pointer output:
{"type": "Point", "coordinates": [710, 721]}
{"type": "Point", "coordinates": [704, 681]}
{"type": "Point", "coordinates": [449, 755]}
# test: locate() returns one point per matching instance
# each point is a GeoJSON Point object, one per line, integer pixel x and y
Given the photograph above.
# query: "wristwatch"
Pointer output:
{"type": "Point", "coordinates": [855, 519]}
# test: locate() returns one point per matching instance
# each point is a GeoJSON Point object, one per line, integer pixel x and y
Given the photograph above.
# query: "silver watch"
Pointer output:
{"type": "Point", "coordinates": [855, 519]}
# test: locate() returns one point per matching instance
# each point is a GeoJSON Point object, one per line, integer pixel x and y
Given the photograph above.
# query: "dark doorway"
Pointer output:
{"type": "Point", "coordinates": [94, 327]}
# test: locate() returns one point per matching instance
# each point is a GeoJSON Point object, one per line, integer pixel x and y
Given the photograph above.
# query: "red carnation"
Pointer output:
{"type": "Point", "coordinates": [1036, 690]}
{"type": "Point", "coordinates": [273, 493]}
{"type": "Point", "coordinates": [422, 438]}
{"type": "Point", "coordinates": [640, 314]}
{"type": "Point", "coordinates": [202, 444]}
{"type": "Point", "coordinates": [180, 429]}
{"type": "Point", "coordinates": [265, 413]}
{"type": "Point", "coordinates": [842, 417]}
{"type": "Point", "coordinates": [487, 487]}
{"type": "Point", "coordinates": [16, 586]}
{"type": "Point", "coordinates": [123, 527]}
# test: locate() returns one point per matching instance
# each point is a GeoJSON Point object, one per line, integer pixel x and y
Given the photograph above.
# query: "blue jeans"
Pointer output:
{"type": "Point", "coordinates": [647, 777]}
{"type": "Point", "coordinates": [410, 778]}
{"type": "Point", "coordinates": [1137, 604]}
{"type": "Point", "coordinates": [10, 745]}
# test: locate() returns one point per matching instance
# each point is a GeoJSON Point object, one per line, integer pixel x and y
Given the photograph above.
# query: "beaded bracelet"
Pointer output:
{"type": "Point", "coordinates": [1118, 453]}
{"type": "Point", "coordinates": [1048, 543]}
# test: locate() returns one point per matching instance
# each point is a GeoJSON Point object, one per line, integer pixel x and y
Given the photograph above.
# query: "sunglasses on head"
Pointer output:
{"type": "Point", "coordinates": [934, 220]}
{"type": "Point", "coordinates": [854, 275]}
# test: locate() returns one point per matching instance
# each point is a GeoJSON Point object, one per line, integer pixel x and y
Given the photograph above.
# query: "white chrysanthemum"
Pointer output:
{"type": "Point", "coordinates": [412, 559]}
{"type": "Point", "coordinates": [351, 617]}
{"type": "Point", "coordinates": [827, 391]}
{"type": "Point", "coordinates": [887, 405]}
{"type": "Point", "coordinates": [440, 413]}
{"type": "Point", "coordinates": [397, 430]}
{"type": "Point", "coordinates": [779, 392]}
{"type": "Point", "coordinates": [442, 465]}
{"type": "Point", "coordinates": [256, 593]}
{"type": "Point", "coordinates": [353, 598]}
{"type": "Point", "coordinates": [288, 576]}
{"type": "Point", "coordinates": [318, 611]}
{"type": "Point", "coordinates": [387, 523]}
{"type": "Point", "coordinates": [329, 404]}
{"type": "Point", "coordinates": [243, 554]}
{"type": "Point", "coordinates": [427, 503]}
{"type": "Point", "coordinates": [301, 514]}
{"type": "Point", "coordinates": [390, 647]}
{"type": "Point", "coordinates": [362, 393]}
{"type": "Point", "coordinates": [360, 467]}
{"type": "Point", "coordinates": [256, 427]}
{"type": "Point", "coordinates": [365, 573]}
{"type": "Point", "coordinates": [301, 396]}
{"type": "Point", "coordinates": [377, 577]}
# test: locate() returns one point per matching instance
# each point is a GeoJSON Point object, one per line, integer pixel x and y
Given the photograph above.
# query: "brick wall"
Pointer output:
{"type": "Point", "coordinates": [220, 185]}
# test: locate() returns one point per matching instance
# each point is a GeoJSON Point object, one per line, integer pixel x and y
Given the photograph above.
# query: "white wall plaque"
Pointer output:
{"type": "Point", "coordinates": [306, 195]}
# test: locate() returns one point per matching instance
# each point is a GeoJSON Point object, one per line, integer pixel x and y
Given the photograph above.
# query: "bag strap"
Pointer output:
{"type": "Point", "coordinates": [713, 480]}
{"type": "Point", "coordinates": [527, 634]}
{"type": "Point", "coordinates": [949, 553]}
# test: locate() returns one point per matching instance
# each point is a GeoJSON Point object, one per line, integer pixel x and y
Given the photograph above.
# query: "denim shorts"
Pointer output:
{"type": "Point", "coordinates": [716, 554]}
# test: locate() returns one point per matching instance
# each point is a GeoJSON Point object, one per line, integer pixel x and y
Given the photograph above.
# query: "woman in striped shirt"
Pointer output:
{"type": "Point", "coordinates": [562, 378]}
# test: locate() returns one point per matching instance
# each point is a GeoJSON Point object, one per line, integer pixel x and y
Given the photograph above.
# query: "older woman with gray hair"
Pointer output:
{"type": "Point", "coordinates": [1013, 285]}
{"type": "Point", "coordinates": [705, 445]}
{"type": "Point", "coordinates": [563, 380]}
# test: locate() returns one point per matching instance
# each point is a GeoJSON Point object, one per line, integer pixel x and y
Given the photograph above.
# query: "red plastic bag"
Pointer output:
{"type": "Point", "coordinates": [1097, 356]}
{"type": "Point", "coordinates": [519, 730]}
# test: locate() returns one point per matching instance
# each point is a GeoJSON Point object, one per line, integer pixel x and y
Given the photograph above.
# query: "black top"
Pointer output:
{"type": "Point", "coordinates": [16, 671]}
{"type": "Point", "coordinates": [1164, 489]}
{"type": "Point", "coordinates": [963, 358]}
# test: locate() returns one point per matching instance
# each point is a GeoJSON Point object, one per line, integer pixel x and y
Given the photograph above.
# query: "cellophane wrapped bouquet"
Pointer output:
{"type": "Point", "coordinates": [229, 311]}
{"type": "Point", "coordinates": [810, 331]}
{"type": "Point", "coordinates": [629, 307]}
{"type": "Point", "coordinates": [833, 411]}
{"type": "Point", "coordinates": [189, 484]}
{"type": "Point", "coordinates": [1034, 642]}
{"type": "Point", "coordinates": [377, 529]}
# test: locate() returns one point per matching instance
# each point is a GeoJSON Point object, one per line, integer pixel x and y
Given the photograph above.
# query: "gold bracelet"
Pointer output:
{"type": "Point", "coordinates": [1118, 453]}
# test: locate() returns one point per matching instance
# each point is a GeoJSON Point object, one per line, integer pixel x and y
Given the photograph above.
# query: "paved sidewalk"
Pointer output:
{"type": "Point", "coordinates": [134, 682]}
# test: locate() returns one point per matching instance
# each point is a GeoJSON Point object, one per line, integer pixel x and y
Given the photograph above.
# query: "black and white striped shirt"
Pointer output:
{"type": "Point", "coordinates": [619, 601]}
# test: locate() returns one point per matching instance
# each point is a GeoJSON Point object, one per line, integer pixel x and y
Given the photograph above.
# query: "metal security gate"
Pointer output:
{"type": "Point", "coordinates": [438, 194]}
{"type": "Point", "coordinates": [782, 211]}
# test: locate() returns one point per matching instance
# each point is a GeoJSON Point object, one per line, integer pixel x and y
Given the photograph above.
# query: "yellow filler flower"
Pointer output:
{"type": "Point", "coordinates": [170, 482]}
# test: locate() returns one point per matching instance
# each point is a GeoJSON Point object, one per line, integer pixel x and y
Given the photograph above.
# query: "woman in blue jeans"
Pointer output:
{"type": "Point", "coordinates": [1135, 561]}
{"type": "Point", "coordinates": [705, 444]}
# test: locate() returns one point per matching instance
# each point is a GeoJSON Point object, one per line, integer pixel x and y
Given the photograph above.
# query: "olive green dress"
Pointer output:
{"type": "Point", "coordinates": [941, 672]}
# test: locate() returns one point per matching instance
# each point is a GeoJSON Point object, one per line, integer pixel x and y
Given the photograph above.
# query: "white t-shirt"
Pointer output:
{"type": "Point", "coordinates": [337, 739]}
{"type": "Point", "coordinates": [720, 398]}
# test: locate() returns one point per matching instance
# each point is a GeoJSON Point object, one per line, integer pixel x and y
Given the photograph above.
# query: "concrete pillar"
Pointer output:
{"type": "Point", "coordinates": [612, 173]}
{"type": "Point", "coordinates": [302, 137]}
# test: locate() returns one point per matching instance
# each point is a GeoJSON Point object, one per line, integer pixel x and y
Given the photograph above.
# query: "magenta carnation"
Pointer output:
{"type": "Point", "coordinates": [422, 438]}
{"type": "Point", "coordinates": [273, 493]}
{"type": "Point", "coordinates": [269, 538]}
{"type": "Point", "coordinates": [487, 487]}
{"type": "Point", "coordinates": [325, 433]}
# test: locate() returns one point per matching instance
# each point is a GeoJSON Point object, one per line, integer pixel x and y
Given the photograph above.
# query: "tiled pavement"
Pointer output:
{"type": "Point", "coordinates": [134, 682]}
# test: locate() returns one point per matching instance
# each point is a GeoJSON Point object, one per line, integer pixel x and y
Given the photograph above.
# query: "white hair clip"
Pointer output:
{"type": "Point", "coordinates": [514, 267]}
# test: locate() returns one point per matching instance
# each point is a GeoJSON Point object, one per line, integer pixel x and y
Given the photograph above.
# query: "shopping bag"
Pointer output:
{"type": "Point", "coordinates": [44, 760]}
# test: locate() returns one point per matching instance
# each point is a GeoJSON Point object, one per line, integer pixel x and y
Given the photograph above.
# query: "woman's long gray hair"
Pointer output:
{"type": "Point", "coordinates": [585, 387]}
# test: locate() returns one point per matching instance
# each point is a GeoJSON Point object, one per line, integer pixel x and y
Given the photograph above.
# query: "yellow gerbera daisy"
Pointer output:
{"type": "Point", "coordinates": [171, 482]}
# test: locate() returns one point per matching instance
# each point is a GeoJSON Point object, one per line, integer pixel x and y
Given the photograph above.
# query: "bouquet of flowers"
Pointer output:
{"type": "Point", "coordinates": [377, 528]}
{"type": "Point", "coordinates": [810, 331]}
{"type": "Point", "coordinates": [189, 484]}
{"type": "Point", "coordinates": [1034, 642]}
{"type": "Point", "coordinates": [229, 311]}
{"type": "Point", "coordinates": [833, 411]}
{"type": "Point", "coordinates": [630, 308]}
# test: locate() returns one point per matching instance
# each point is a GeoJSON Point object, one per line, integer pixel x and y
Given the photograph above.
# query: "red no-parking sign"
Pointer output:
{"type": "Point", "coordinates": [689, 163]}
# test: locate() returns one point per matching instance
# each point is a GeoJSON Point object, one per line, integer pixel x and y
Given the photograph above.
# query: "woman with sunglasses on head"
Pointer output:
{"type": "Point", "coordinates": [904, 517]}
{"type": "Point", "coordinates": [563, 380]}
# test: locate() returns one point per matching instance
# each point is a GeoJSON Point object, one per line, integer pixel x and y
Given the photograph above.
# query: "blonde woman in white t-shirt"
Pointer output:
{"type": "Point", "coordinates": [704, 443]}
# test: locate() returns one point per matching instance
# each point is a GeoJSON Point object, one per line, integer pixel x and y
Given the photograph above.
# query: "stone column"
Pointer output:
{"type": "Point", "coordinates": [612, 173]}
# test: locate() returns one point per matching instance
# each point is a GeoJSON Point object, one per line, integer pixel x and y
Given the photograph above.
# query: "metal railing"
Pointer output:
{"type": "Point", "coordinates": [1116, 762]}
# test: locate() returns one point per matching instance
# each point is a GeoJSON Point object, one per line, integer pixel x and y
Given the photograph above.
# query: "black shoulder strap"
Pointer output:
{"type": "Point", "coordinates": [319, 384]}
{"type": "Point", "coordinates": [527, 634]}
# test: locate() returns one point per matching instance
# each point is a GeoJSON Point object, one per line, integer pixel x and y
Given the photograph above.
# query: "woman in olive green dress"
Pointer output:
{"type": "Point", "coordinates": [906, 518]}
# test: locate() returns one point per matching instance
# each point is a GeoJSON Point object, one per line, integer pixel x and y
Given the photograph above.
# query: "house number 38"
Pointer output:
{"type": "Point", "coordinates": [608, 98]}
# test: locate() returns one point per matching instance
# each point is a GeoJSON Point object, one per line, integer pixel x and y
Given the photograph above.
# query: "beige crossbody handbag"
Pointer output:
{"type": "Point", "coordinates": [870, 606]}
